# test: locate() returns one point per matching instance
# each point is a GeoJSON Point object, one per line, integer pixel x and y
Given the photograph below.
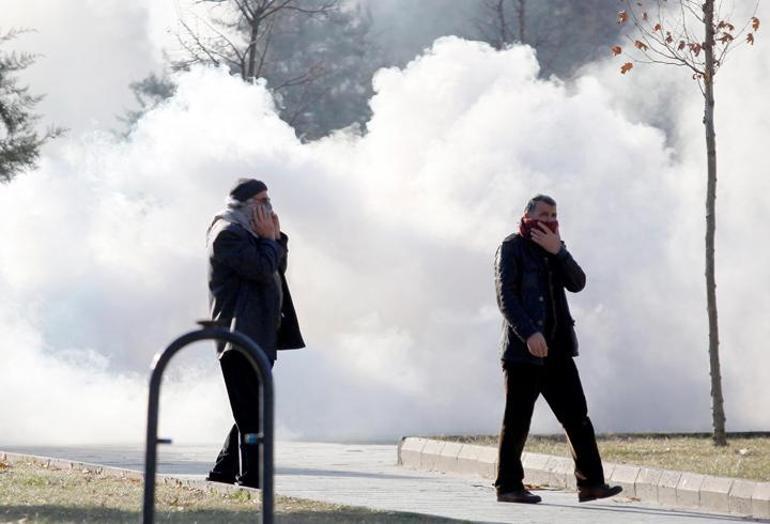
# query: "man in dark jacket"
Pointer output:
{"type": "Point", "coordinates": [532, 270]}
{"type": "Point", "coordinates": [247, 265]}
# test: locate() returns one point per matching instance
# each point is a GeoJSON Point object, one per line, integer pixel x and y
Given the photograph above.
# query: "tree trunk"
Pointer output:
{"type": "Point", "coordinates": [504, 34]}
{"type": "Point", "coordinates": [251, 72]}
{"type": "Point", "coordinates": [717, 401]}
{"type": "Point", "coordinates": [521, 14]}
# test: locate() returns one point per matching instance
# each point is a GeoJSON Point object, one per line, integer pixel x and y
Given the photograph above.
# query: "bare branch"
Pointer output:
{"type": "Point", "coordinates": [493, 28]}
{"type": "Point", "coordinates": [267, 35]}
{"type": "Point", "coordinates": [315, 72]}
{"type": "Point", "coordinates": [656, 48]}
{"type": "Point", "coordinates": [687, 34]}
{"type": "Point", "coordinates": [649, 37]}
{"type": "Point", "coordinates": [198, 44]}
{"type": "Point", "coordinates": [228, 43]}
{"type": "Point", "coordinates": [687, 5]}
{"type": "Point", "coordinates": [700, 86]}
{"type": "Point", "coordinates": [739, 37]}
{"type": "Point", "coordinates": [307, 102]}
{"type": "Point", "coordinates": [274, 6]}
{"type": "Point", "coordinates": [325, 8]}
{"type": "Point", "coordinates": [652, 61]}
{"type": "Point", "coordinates": [246, 10]}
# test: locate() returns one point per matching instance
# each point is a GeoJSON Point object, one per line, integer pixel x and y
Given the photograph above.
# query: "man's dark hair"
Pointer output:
{"type": "Point", "coordinates": [538, 198]}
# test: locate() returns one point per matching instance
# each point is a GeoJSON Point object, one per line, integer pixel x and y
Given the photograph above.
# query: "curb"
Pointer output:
{"type": "Point", "coordinates": [204, 485]}
{"type": "Point", "coordinates": [670, 488]}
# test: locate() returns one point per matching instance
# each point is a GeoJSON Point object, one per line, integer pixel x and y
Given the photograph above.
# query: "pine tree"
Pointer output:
{"type": "Point", "coordinates": [20, 142]}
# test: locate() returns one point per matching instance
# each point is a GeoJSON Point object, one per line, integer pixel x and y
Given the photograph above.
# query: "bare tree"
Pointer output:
{"type": "Point", "coordinates": [318, 59]}
{"type": "Point", "coordinates": [497, 21]}
{"type": "Point", "coordinates": [238, 33]}
{"type": "Point", "coordinates": [697, 38]}
{"type": "Point", "coordinates": [306, 49]}
{"type": "Point", "coordinates": [521, 7]}
{"type": "Point", "coordinates": [564, 33]}
{"type": "Point", "coordinates": [20, 143]}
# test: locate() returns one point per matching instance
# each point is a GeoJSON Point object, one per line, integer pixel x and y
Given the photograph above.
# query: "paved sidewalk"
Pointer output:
{"type": "Point", "coordinates": [367, 475]}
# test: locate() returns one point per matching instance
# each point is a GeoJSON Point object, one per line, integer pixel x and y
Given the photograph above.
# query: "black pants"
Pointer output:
{"type": "Point", "coordinates": [242, 383]}
{"type": "Point", "coordinates": [559, 382]}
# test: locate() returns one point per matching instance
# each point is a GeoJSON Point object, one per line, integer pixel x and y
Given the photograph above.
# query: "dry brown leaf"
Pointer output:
{"type": "Point", "coordinates": [725, 38]}
{"type": "Point", "coordinates": [625, 68]}
{"type": "Point", "coordinates": [616, 50]}
{"type": "Point", "coordinates": [725, 24]}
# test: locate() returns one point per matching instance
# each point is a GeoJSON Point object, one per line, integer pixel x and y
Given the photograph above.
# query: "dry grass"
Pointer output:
{"type": "Point", "coordinates": [744, 457]}
{"type": "Point", "coordinates": [31, 492]}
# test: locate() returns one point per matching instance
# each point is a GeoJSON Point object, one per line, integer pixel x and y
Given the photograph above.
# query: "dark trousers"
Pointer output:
{"type": "Point", "coordinates": [242, 383]}
{"type": "Point", "coordinates": [559, 382]}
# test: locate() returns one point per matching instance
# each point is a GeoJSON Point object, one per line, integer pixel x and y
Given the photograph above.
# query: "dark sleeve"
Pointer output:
{"type": "Point", "coordinates": [507, 278]}
{"type": "Point", "coordinates": [238, 252]}
{"type": "Point", "coordinates": [571, 273]}
{"type": "Point", "coordinates": [283, 262]}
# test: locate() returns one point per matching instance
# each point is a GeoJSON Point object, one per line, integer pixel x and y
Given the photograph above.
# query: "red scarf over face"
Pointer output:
{"type": "Point", "coordinates": [528, 224]}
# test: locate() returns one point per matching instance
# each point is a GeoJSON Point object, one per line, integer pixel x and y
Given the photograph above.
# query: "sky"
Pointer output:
{"type": "Point", "coordinates": [392, 237]}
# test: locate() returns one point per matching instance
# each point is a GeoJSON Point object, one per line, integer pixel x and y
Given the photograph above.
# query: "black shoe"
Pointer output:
{"type": "Point", "coordinates": [597, 492]}
{"type": "Point", "coordinates": [521, 496]}
{"type": "Point", "coordinates": [215, 476]}
{"type": "Point", "coordinates": [248, 481]}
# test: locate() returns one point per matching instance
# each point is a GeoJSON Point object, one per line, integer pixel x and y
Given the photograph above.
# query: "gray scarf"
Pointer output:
{"type": "Point", "coordinates": [235, 212]}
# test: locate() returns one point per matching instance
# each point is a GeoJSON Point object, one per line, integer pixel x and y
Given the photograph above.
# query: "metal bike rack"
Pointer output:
{"type": "Point", "coordinates": [256, 357]}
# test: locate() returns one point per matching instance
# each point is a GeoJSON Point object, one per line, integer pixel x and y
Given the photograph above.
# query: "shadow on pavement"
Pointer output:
{"type": "Point", "coordinates": [670, 513]}
{"type": "Point", "coordinates": [311, 472]}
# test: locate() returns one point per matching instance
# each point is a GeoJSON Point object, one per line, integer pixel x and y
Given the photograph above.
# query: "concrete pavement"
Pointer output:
{"type": "Point", "coordinates": [367, 475]}
{"type": "Point", "coordinates": [679, 489]}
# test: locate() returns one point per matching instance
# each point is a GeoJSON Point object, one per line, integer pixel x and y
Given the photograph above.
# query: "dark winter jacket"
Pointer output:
{"type": "Point", "coordinates": [530, 286]}
{"type": "Point", "coordinates": [247, 281]}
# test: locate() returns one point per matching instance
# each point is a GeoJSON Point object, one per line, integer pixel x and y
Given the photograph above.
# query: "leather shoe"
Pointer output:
{"type": "Point", "coordinates": [249, 481]}
{"type": "Point", "coordinates": [597, 492]}
{"type": "Point", "coordinates": [521, 496]}
{"type": "Point", "coordinates": [215, 476]}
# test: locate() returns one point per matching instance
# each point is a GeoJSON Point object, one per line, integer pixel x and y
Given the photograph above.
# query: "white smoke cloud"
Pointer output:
{"type": "Point", "coordinates": [392, 241]}
{"type": "Point", "coordinates": [88, 53]}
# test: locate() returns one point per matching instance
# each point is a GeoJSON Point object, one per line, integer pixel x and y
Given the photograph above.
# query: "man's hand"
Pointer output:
{"type": "Point", "coordinates": [263, 224]}
{"type": "Point", "coordinates": [277, 225]}
{"type": "Point", "coordinates": [537, 346]}
{"type": "Point", "coordinates": [546, 238]}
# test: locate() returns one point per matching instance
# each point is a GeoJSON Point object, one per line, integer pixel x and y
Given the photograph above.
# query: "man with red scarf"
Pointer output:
{"type": "Point", "coordinates": [532, 270]}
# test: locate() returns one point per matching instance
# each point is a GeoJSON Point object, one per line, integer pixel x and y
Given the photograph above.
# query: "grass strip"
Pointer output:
{"type": "Point", "coordinates": [32, 492]}
{"type": "Point", "coordinates": [746, 457]}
